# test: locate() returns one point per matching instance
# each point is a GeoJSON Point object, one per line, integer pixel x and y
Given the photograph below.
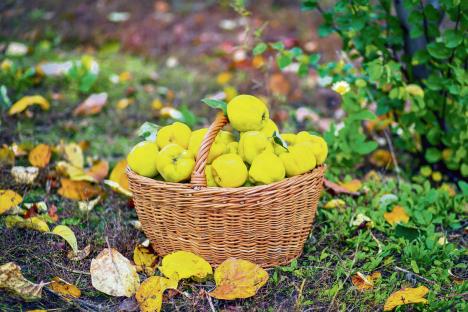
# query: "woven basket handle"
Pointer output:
{"type": "Point", "coordinates": [198, 175]}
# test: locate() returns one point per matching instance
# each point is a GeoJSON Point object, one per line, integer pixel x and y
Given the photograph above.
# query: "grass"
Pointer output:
{"type": "Point", "coordinates": [321, 279]}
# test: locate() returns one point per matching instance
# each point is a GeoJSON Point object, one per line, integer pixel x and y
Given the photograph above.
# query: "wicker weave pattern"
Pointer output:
{"type": "Point", "coordinates": [266, 224]}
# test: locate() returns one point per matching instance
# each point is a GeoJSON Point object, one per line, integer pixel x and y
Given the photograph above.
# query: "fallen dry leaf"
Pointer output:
{"type": "Point", "coordinates": [337, 189]}
{"type": "Point", "coordinates": [92, 105]}
{"type": "Point", "coordinates": [13, 281]}
{"type": "Point", "coordinates": [8, 200]}
{"type": "Point", "coordinates": [145, 259]}
{"type": "Point", "coordinates": [365, 282]}
{"type": "Point", "coordinates": [87, 206]}
{"type": "Point", "coordinates": [80, 254]}
{"type": "Point", "coordinates": [381, 158]}
{"type": "Point", "coordinates": [7, 156]}
{"type": "Point", "coordinates": [74, 155]}
{"type": "Point", "coordinates": [33, 223]}
{"type": "Point", "coordinates": [335, 203]}
{"type": "Point", "coordinates": [67, 234]}
{"type": "Point", "coordinates": [278, 84]}
{"type": "Point", "coordinates": [40, 155]}
{"type": "Point", "coordinates": [98, 170]}
{"type": "Point", "coordinates": [183, 264]}
{"type": "Point", "coordinates": [352, 186]}
{"type": "Point", "coordinates": [113, 274]}
{"type": "Point", "coordinates": [24, 175]}
{"type": "Point", "coordinates": [150, 293]}
{"type": "Point", "coordinates": [406, 296]}
{"type": "Point", "coordinates": [362, 219]}
{"type": "Point", "coordinates": [64, 288]}
{"type": "Point", "coordinates": [397, 215]}
{"type": "Point", "coordinates": [27, 101]}
{"type": "Point", "coordinates": [78, 190]}
{"type": "Point", "coordinates": [118, 179]}
{"type": "Point", "coordinates": [236, 278]}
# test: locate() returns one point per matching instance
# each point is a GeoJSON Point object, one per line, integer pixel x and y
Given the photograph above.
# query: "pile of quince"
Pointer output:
{"type": "Point", "coordinates": [260, 156]}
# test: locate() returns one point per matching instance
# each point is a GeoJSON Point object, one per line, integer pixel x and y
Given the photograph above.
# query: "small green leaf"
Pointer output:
{"type": "Point", "coordinates": [414, 266]}
{"type": "Point", "coordinates": [283, 60]}
{"type": "Point", "coordinates": [279, 46]}
{"type": "Point", "coordinates": [148, 131]}
{"type": "Point", "coordinates": [279, 140]}
{"type": "Point", "coordinates": [365, 148]}
{"type": "Point", "coordinates": [438, 50]}
{"type": "Point", "coordinates": [216, 104]}
{"type": "Point", "coordinates": [313, 59]}
{"type": "Point", "coordinates": [464, 187]}
{"type": "Point", "coordinates": [67, 234]}
{"type": "Point", "coordinates": [452, 38]}
{"type": "Point", "coordinates": [432, 155]}
{"type": "Point", "coordinates": [259, 48]}
{"type": "Point", "coordinates": [5, 101]}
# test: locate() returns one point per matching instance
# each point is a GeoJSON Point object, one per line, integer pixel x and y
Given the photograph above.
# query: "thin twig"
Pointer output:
{"type": "Point", "coordinates": [208, 297]}
{"type": "Point", "coordinates": [412, 273]}
{"type": "Point", "coordinates": [379, 244]}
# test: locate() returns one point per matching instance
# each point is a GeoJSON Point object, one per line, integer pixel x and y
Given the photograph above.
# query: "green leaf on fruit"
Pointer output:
{"type": "Point", "coordinates": [279, 140]}
{"type": "Point", "coordinates": [216, 104]}
{"type": "Point", "coordinates": [148, 131]}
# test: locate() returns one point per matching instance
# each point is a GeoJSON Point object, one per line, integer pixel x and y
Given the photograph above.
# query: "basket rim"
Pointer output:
{"type": "Point", "coordinates": [316, 172]}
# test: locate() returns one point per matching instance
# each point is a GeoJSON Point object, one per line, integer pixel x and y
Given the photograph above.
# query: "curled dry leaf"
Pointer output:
{"type": "Point", "coordinates": [64, 288]}
{"type": "Point", "coordinates": [118, 179]}
{"type": "Point", "coordinates": [78, 190]}
{"type": "Point", "coordinates": [40, 155]}
{"type": "Point", "coordinates": [27, 101]}
{"type": "Point", "coordinates": [406, 296]}
{"type": "Point", "coordinates": [24, 175]}
{"type": "Point", "coordinates": [8, 200]}
{"type": "Point", "coordinates": [80, 254]}
{"type": "Point", "coordinates": [352, 186]}
{"type": "Point", "coordinates": [337, 189]}
{"type": "Point", "coordinates": [13, 281]}
{"type": "Point", "coordinates": [113, 274]}
{"type": "Point", "coordinates": [365, 282]}
{"type": "Point", "coordinates": [150, 293]}
{"type": "Point", "coordinates": [67, 234]}
{"type": "Point", "coordinates": [236, 278]}
{"type": "Point", "coordinates": [397, 215]}
{"type": "Point", "coordinates": [98, 170]}
{"type": "Point", "coordinates": [335, 203]}
{"type": "Point", "coordinates": [183, 264]}
{"type": "Point", "coordinates": [92, 105]}
{"type": "Point", "coordinates": [145, 259]}
{"type": "Point", "coordinates": [33, 223]}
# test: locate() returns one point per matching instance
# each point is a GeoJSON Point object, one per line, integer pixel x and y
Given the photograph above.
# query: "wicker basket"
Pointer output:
{"type": "Point", "coordinates": [265, 224]}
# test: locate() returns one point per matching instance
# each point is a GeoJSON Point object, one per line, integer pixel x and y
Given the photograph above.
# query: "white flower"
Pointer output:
{"type": "Point", "coordinates": [341, 87]}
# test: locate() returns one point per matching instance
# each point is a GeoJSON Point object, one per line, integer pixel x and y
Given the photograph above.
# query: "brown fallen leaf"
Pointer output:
{"type": "Point", "coordinates": [397, 215]}
{"type": "Point", "coordinates": [352, 186]}
{"type": "Point", "coordinates": [92, 105]}
{"type": "Point", "coordinates": [8, 200]}
{"type": "Point", "coordinates": [40, 155]}
{"type": "Point", "coordinates": [64, 288]}
{"type": "Point", "coordinates": [406, 296]}
{"type": "Point", "coordinates": [278, 84]}
{"type": "Point", "coordinates": [98, 170]}
{"type": "Point", "coordinates": [13, 281]}
{"type": "Point", "coordinates": [236, 278]}
{"type": "Point", "coordinates": [80, 254]}
{"type": "Point", "coordinates": [337, 189]}
{"type": "Point", "coordinates": [78, 190]}
{"type": "Point", "coordinates": [113, 274]}
{"type": "Point", "coordinates": [365, 282]}
{"type": "Point", "coordinates": [150, 293]}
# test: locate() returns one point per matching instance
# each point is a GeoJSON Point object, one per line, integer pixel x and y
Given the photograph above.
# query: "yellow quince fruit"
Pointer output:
{"type": "Point", "coordinates": [269, 128]}
{"type": "Point", "coordinates": [143, 158]}
{"type": "Point", "coordinates": [320, 145]}
{"type": "Point", "coordinates": [299, 159]}
{"type": "Point", "coordinates": [175, 164]}
{"type": "Point", "coordinates": [178, 133]}
{"type": "Point", "coordinates": [232, 148]}
{"type": "Point", "coordinates": [229, 170]}
{"type": "Point", "coordinates": [247, 113]}
{"type": "Point", "coordinates": [210, 181]}
{"type": "Point", "coordinates": [289, 138]}
{"type": "Point", "coordinates": [252, 143]}
{"type": "Point", "coordinates": [218, 147]}
{"type": "Point", "coordinates": [266, 168]}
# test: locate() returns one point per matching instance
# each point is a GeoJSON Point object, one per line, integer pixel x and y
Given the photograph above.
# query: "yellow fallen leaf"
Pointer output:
{"type": "Point", "coordinates": [360, 218]}
{"type": "Point", "coordinates": [381, 158]}
{"type": "Point", "coordinates": [397, 215]}
{"type": "Point", "coordinates": [352, 186]}
{"type": "Point", "coordinates": [67, 234]}
{"type": "Point", "coordinates": [7, 156]}
{"type": "Point", "coordinates": [40, 155]}
{"type": "Point", "coordinates": [406, 296]}
{"type": "Point", "coordinates": [80, 254]}
{"type": "Point", "coordinates": [24, 175]}
{"type": "Point", "coordinates": [156, 104]}
{"type": "Point", "coordinates": [113, 274]}
{"type": "Point", "coordinates": [74, 155]}
{"type": "Point", "coordinates": [98, 170]}
{"type": "Point", "coordinates": [13, 281]}
{"type": "Point", "coordinates": [64, 288]}
{"type": "Point", "coordinates": [124, 103]}
{"type": "Point", "coordinates": [145, 259]}
{"type": "Point", "coordinates": [8, 200]}
{"type": "Point", "coordinates": [335, 203]}
{"type": "Point", "coordinates": [92, 105]}
{"type": "Point", "coordinates": [365, 282]}
{"type": "Point", "coordinates": [183, 264]}
{"type": "Point", "coordinates": [27, 101]}
{"type": "Point", "coordinates": [34, 223]}
{"type": "Point", "coordinates": [78, 190]}
{"type": "Point", "coordinates": [118, 179]}
{"type": "Point", "coordinates": [223, 78]}
{"type": "Point", "coordinates": [150, 293]}
{"type": "Point", "coordinates": [236, 278]}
